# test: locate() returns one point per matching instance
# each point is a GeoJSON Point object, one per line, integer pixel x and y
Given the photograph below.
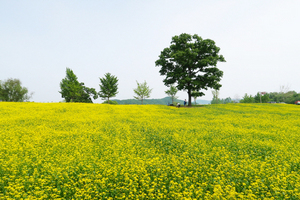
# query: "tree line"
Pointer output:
{"type": "Point", "coordinates": [12, 90]}
{"type": "Point", "coordinates": [188, 64]}
{"type": "Point", "coordinates": [74, 91]}
{"type": "Point", "coordinates": [289, 97]}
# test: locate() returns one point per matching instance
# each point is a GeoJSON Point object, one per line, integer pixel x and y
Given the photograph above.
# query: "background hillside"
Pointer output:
{"type": "Point", "coordinates": [163, 101]}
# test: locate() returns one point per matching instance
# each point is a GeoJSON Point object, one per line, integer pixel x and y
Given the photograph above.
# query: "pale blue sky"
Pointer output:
{"type": "Point", "coordinates": [40, 39]}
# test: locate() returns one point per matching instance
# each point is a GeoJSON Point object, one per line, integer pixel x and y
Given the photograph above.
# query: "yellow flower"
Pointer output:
{"type": "Point", "coordinates": [92, 151]}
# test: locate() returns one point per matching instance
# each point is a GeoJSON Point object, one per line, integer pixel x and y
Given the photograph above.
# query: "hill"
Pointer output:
{"type": "Point", "coordinates": [200, 101]}
{"type": "Point", "coordinates": [163, 101]}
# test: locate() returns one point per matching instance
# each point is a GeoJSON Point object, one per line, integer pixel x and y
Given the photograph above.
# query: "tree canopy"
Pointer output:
{"type": "Point", "coordinates": [142, 91]}
{"type": "Point", "coordinates": [108, 86]}
{"type": "Point", "coordinates": [74, 91]}
{"type": "Point", "coordinates": [11, 90]}
{"type": "Point", "coordinates": [191, 62]}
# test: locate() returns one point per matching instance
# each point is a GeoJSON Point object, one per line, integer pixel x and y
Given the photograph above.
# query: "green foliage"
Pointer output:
{"type": "Point", "coordinates": [215, 94]}
{"type": "Point", "coordinates": [108, 86]}
{"type": "Point", "coordinates": [191, 62]}
{"type": "Point", "coordinates": [215, 101]}
{"type": "Point", "coordinates": [291, 97]}
{"type": "Point", "coordinates": [259, 98]}
{"type": "Point", "coordinates": [172, 93]}
{"type": "Point", "coordinates": [296, 97]}
{"type": "Point", "coordinates": [127, 101]}
{"type": "Point", "coordinates": [228, 100]}
{"type": "Point", "coordinates": [110, 102]}
{"type": "Point", "coordinates": [11, 90]}
{"type": "Point", "coordinates": [288, 97]}
{"type": "Point", "coordinates": [142, 91]}
{"type": "Point", "coordinates": [221, 101]}
{"type": "Point", "coordinates": [73, 91]}
{"type": "Point", "coordinates": [247, 99]}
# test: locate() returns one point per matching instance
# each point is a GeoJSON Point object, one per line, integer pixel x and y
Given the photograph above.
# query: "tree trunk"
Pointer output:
{"type": "Point", "coordinates": [190, 98]}
{"type": "Point", "coordinates": [108, 100]}
{"type": "Point", "coordinates": [189, 90]}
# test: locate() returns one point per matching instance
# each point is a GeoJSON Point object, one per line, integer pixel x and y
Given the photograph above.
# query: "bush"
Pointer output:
{"type": "Point", "coordinates": [110, 102]}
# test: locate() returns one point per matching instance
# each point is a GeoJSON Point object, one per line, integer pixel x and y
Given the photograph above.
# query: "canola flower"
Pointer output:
{"type": "Point", "coordinates": [94, 151]}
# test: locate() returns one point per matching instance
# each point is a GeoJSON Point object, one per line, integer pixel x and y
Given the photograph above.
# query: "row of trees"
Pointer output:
{"type": "Point", "coordinates": [189, 63]}
{"type": "Point", "coordinates": [12, 90]}
{"type": "Point", "coordinates": [289, 97]}
{"type": "Point", "coordinates": [74, 91]}
{"type": "Point", "coordinates": [258, 98]}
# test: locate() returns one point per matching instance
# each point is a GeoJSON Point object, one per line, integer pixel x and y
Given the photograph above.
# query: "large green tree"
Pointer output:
{"type": "Point", "coordinates": [12, 90]}
{"type": "Point", "coordinates": [108, 86]}
{"type": "Point", "coordinates": [142, 91]}
{"type": "Point", "coordinates": [191, 62]}
{"type": "Point", "coordinates": [74, 91]}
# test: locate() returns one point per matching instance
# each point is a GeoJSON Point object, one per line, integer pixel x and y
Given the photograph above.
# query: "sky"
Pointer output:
{"type": "Point", "coordinates": [259, 39]}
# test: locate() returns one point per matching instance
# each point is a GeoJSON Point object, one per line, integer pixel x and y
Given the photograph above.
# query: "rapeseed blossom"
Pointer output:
{"type": "Point", "coordinates": [92, 151]}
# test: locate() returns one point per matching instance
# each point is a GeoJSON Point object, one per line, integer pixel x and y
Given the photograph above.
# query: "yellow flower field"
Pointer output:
{"type": "Point", "coordinates": [95, 151]}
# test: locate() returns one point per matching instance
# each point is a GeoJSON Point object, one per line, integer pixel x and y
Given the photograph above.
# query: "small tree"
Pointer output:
{"type": "Point", "coordinates": [11, 90]}
{"type": "Point", "coordinates": [142, 91]}
{"type": "Point", "coordinates": [247, 99]}
{"type": "Point", "coordinates": [110, 102]}
{"type": "Point", "coordinates": [73, 91]}
{"type": "Point", "coordinates": [283, 91]}
{"type": "Point", "coordinates": [215, 94]}
{"type": "Point", "coordinates": [70, 87]}
{"type": "Point", "coordinates": [261, 98]}
{"type": "Point", "coordinates": [108, 87]}
{"type": "Point", "coordinates": [228, 100]}
{"type": "Point", "coordinates": [172, 93]}
{"type": "Point", "coordinates": [195, 94]}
